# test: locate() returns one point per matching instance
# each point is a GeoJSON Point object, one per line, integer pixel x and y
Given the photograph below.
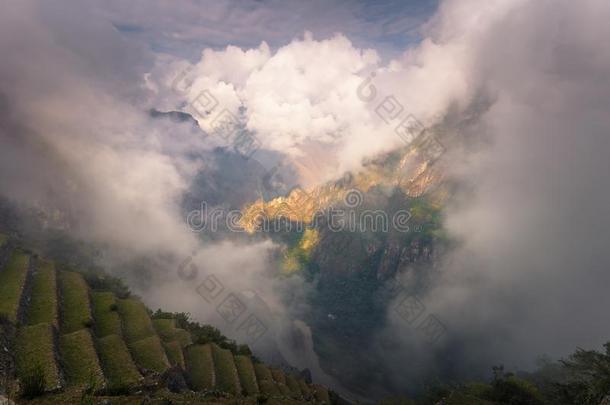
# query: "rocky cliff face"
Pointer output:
{"type": "Point", "coordinates": [351, 264]}
{"type": "Point", "coordinates": [407, 171]}
{"type": "Point", "coordinates": [350, 258]}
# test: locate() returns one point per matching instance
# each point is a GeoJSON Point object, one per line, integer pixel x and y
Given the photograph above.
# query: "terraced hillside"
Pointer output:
{"type": "Point", "coordinates": [70, 338]}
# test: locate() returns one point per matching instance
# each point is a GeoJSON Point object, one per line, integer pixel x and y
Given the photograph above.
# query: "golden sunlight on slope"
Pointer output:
{"type": "Point", "coordinates": [405, 170]}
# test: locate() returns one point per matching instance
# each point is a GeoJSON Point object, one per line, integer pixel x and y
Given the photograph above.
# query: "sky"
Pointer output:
{"type": "Point", "coordinates": [520, 84]}
{"type": "Point", "coordinates": [184, 29]}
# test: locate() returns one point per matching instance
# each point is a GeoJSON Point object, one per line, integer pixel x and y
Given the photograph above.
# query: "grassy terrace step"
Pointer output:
{"type": "Point", "coordinates": [75, 304]}
{"type": "Point", "coordinates": [149, 354]}
{"type": "Point", "coordinates": [247, 375]}
{"type": "Point", "coordinates": [135, 320]}
{"type": "Point", "coordinates": [280, 380]}
{"type": "Point", "coordinates": [183, 337]}
{"type": "Point", "coordinates": [43, 304]}
{"type": "Point", "coordinates": [227, 378]}
{"type": "Point", "coordinates": [266, 383]}
{"type": "Point", "coordinates": [119, 369]}
{"type": "Point", "coordinates": [278, 376]}
{"type": "Point", "coordinates": [167, 331]}
{"type": "Point", "coordinates": [307, 392]}
{"type": "Point", "coordinates": [105, 314]}
{"type": "Point", "coordinates": [284, 390]}
{"type": "Point", "coordinates": [321, 394]}
{"type": "Point", "coordinates": [35, 348]}
{"type": "Point", "coordinates": [166, 328]}
{"type": "Point", "coordinates": [79, 358]}
{"type": "Point", "coordinates": [174, 353]}
{"type": "Point", "coordinates": [200, 367]}
{"type": "Point", "coordinates": [12, 280]}
{"type": "Point", "coordinates": [294, 386]}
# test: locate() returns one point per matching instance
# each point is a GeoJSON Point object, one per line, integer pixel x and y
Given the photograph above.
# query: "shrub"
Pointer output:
{"type": "Point", "coordinates": [262, 399]}
{"type": "Point", "coordinates": [33, 382]}
{"type": "Point", "coordinates": [508, 389]}
{"type": "Point", "coordinates": [89, 390]}
{"type": "Point", "coordinates": [397, 401]}
{"type": "Point", "coordinates": [118, 390]}
{"type": "Point", "coordinates": [99, 281]}
{"type": "Point", "coordinates": [243, 350]}
{"type": "Point", "coordinates": [587, 377]}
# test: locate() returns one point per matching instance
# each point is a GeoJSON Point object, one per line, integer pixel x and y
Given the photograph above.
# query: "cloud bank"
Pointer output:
{"type": "Point", "coordinates": [79, 145]}
{"type": "Point", "coordinates": [531, 274]}
{"type": "Point", "coordinates": [72, 139]}
{"type": "Point", "coordinates": [327, 117]}
{"type": "Point", "coordinates": [531, 271]}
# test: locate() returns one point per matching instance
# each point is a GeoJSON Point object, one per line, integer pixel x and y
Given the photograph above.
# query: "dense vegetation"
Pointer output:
{"type": "Point", "coordinates": [202, 334]}
{"type": "Point", "coordinates": [581, 379]}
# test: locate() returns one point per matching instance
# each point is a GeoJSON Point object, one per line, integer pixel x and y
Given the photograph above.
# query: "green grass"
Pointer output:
{"type": "Point", "coordinates": [3, 239]}
{"type": "Point", "coordinates": [200, 367]}
{"type": "Point", "coordinates": [34, 348]}
{"type": "Point", "coordinates": [459, 398]}
{"type": "Point", "coordinates": [284, 390]}
{"type": "Point", "coordinates": [107, 321]}
{"type": "Point", "coordinates": [43, 304]}
{"type": "Point", "coordinates": [12, 279]}
{"type": "Point", "coordinates": [265, 380]}
{"type": "Point", "coordinates": [305, 388]}
{"type": "Point", "coordinates": [79, 358]}
{"type": "Point", "coordinates": [135, 320]}
{"type": "Point", "coordinates": [321, 394]}
{"type": "Point", "coordinates": [278, 376]}
{"type": "Point", "coordinates": [149, 354]}
{"type": "Point", "coordinates": [247, 376]}
{"type": "Point", "coordinates": [184, 337]}
{"type": "Point", "coordinates": [269, 388]}
{"type": "Point", "coordinates": [294, 386]}
{"type": "Point", "coordinates": [174, 353]}
{"type": "Point", "coordinates": [119, 369]}
{"type": "Point", "coordinates": [280, 381]}
{"type": "Point", "coordinates": [226, 373]}
{"type": "Point", "coordinates": [166, 329]}
{"type": "Point", "coordinates": [75, 304]}
{"type": "Point", "coordinates": [262, 372]}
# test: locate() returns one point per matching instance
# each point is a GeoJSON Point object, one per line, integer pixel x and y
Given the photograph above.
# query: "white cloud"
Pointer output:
{"type": "Point", "coordinates": [529, 274]}
{"type": "Point", "coordinates": [305, 97]}
{"type": "Point", "coordinates": [75, 137]}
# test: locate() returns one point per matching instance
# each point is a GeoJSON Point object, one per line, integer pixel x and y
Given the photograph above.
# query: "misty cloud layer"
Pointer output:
{"type": "Point", "coordinates": [530, 275]}
{"type": "Point", "coordinates": [71, 137]}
